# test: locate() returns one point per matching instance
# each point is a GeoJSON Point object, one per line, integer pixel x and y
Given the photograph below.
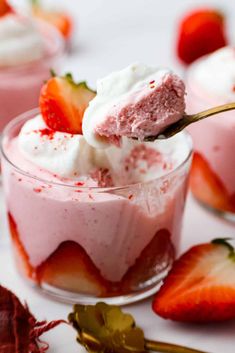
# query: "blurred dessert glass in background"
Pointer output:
{"type": "Point", "coordinates": [28, 51]}
{"type": "Point", "coordinates": [210, 81]}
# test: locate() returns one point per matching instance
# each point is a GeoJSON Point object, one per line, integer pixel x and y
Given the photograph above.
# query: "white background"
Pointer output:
{"type": "Point", "coordinates": [109, 35]}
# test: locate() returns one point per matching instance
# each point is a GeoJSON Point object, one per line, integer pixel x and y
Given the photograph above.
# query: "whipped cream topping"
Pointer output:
{"type": "Point", "coordinates": [113, 90]}
{"type": "Point", "coordinates": [57, 152]}
{"type": "Point", "coordinates": [216, 73]}
{"type": "Point", "coordinates": [70, 156]}
{"type": "Point", "coordinates": [20, 40]}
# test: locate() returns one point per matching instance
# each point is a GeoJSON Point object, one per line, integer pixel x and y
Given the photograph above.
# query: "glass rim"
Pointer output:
{"type": "Point", "coordinates": [58, 50]}
{"type": "Point", "coordinates": [25, 116]}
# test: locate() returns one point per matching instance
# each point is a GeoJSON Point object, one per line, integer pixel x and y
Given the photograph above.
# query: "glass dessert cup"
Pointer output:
{"type": "Point", "coordinates": [20, 85]}
{"type": "Point", "coordinates": [213, 168]}
{"type": "Point", "coordinates": [81, 244]}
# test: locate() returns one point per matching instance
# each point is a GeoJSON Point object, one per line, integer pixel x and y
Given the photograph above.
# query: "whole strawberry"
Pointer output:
{"type": "Point", "coordinates": [201, 32]}
{"type": "Point", "coordinates": [63, 102]}
{"type": "Point", "coordinates": [201, 285]}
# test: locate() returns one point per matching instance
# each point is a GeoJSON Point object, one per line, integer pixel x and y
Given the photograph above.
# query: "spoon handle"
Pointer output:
{"type": "Point", "coordinates": [189, 119]}
{"type": "Point", "coordinates": [209, 112]}
{"type": "Point", "coordinates": [168, 348]}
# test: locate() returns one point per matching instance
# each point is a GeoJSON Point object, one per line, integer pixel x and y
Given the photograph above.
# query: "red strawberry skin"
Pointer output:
{"type": "Point", "coordinates": [200, 288]}
{"type": "Point", "coordinates": [201, 32]}
{"type": "Point", "coordinates": [207, 186]}
{"type": "Point", "coordinates": [22, 258]}
{"type": "Point", "coordinates": [5, 8]}
{"type": "Point", "coordinates": [63, 102]}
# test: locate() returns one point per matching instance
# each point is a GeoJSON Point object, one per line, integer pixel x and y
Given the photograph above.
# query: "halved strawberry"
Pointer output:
{"type": "Point", "coordinates": [70, 268]}
{"type": "Point", "coordinates": [62, 21]}
{"type": "Point", "coordinates": [63, 102]}
{"type": "Point", "coordinates": [201, 285]}
{"type": "Point", "coordinates": [5, 8]}
{"type": "Point", "coordinates": [201, 32]}
{"type": "Point", "coordinates": [207, 186]}
{"type": "Point", "coordinates": [157, 256]}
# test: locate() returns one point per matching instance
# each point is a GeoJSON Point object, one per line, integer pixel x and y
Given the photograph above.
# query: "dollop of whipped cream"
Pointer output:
{"type": "Point", "coordinates": [125, 103]}
{"type": "Point", "coordinates": [70, 156]}
{"type": "Point", "coordinates": [216, 73]}
{"type": "Point", "coordinates": [60, 153]}
{"type": "Point", "coordinates": [21, 41]}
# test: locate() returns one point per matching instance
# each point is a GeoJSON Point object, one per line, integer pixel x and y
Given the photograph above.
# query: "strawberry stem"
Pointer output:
{"type": "Point", "coordinates": [35, 3]}
{"type": "Point", "coordinates": [53, 73]}
{"type": "Point", "coordinates": [168, 348]}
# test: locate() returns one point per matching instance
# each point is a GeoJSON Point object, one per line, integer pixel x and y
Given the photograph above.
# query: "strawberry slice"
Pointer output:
{"type": "Point", "coordinates": [158, 255]}
{"type": "Point", "coordinates": [21, 257]}
{"type": "Point", "coordinates": [207, 186]}
{"type": "Point", "coordinates": [62, 21]}
{"type": "Point", "coordinates": [5, 8]}
{"type": "Point", "coordinates": [201, 32]}
{"type": "Point", "coordinates": [201, 285]}
{"type": "Point", "coordinates": [70, 268]}
{"type": "Point", "coordinates": [63, 102]}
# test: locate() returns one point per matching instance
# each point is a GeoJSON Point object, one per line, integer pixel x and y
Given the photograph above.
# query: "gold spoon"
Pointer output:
{"type": "Point", "coordinates": [186, 120]}
{"type": "Point", "coordinates": [105, 328]}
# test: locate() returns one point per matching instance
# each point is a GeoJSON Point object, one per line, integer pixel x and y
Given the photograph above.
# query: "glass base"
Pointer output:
{"type": "Point", "coordinates": [228, 216]}
{"type": "Point", "coordinates": [75, 298]}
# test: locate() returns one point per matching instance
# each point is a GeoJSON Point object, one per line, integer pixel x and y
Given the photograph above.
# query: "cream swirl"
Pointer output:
{"type": "Point", "coordinates": [57, 152]}
{"type": "Point", "coordinates": [21, 41]}
{"type": "Point", "coordinates": [70, 156]}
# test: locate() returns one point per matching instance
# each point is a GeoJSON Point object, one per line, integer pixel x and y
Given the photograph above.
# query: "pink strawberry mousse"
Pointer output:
{"type": "Point", "coordinates": [136, 102]}
{"type": "Point", "coordinates": [113, 227]}
{"type": "Point", "coordinates": [104, 222]}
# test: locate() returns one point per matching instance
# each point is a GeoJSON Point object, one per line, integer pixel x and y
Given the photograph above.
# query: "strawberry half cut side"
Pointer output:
{"type": "Point", "coordinates": [63, 103]}
{"type": "Point", "coordinates": [200, 288]}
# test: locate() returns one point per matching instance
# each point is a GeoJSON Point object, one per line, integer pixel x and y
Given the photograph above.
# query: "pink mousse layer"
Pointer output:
{"type": "Point", "coordinates": [213, 138]}
{"type": "Point", "coordinates": [20, 94]}
{"type": "Point", "coordinates": [146, 112]}
{"type": "Point", "coordinates": [20, 86]}
{"type": "Point", "coordinates": [113, 228]}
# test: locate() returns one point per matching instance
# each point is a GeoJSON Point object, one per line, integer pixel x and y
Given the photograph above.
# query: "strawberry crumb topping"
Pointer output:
{"type": "Point", "coordinates": [143, 153]}
{"type": "Point", "coordinates": [103, 177]}
{"type": "Point", "coordinates": [47, 132]}
{"type": "Point", "coordinates": [37, 190]}
{"type": "Point", "coordinates": [79, 183]}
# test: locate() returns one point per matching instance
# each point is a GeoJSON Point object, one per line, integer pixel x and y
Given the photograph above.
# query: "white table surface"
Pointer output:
{"type": "Point", "coordinates": [109, 35]}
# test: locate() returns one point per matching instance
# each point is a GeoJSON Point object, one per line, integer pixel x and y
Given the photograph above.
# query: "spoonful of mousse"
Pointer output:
{"type": "Point", "coordinates": [139, 102]}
